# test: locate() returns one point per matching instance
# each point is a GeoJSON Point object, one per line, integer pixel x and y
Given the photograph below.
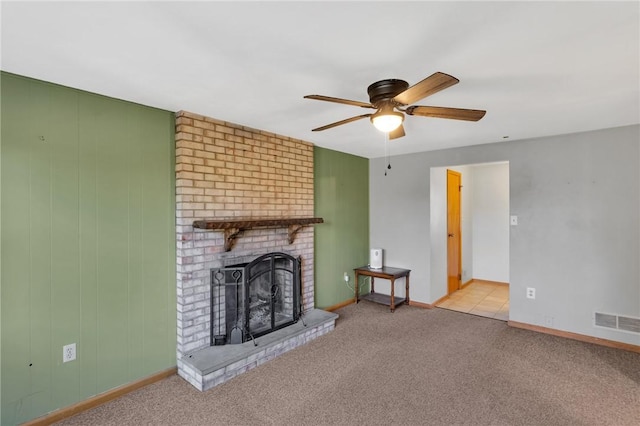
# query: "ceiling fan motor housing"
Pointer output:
{"type": "Point", "coordinates": [385, 90]}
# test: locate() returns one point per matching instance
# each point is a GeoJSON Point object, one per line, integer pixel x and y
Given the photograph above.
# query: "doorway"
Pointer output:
{"type": "Point", "coordinates": [471, 275]}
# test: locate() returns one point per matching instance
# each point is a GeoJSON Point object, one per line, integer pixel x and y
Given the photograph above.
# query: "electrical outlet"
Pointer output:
{"type": "Point", "coordinates": [69, 352]}
{"type": "Point", "coordinates": [531, 293]}
{"type": "Point", "coordinates": [548, 321]}
{"type": "Point", "coordinates": [346, 277]}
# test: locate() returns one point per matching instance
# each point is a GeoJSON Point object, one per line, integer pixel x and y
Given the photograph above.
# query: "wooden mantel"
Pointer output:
{"type": "Point", "coordinates": [233, 227]}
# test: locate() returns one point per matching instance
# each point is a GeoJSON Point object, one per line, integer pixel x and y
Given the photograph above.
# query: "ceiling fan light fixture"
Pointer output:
{"type": "Point", "coordinates": [387, 121]}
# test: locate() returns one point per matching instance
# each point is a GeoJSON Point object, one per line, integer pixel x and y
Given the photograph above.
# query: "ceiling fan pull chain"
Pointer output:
{"type": "Point", "coordinates": [386, 152]}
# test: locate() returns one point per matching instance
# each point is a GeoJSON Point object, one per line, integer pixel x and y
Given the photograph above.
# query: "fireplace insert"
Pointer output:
{"type": "Point", "coordinates": [249, 300]}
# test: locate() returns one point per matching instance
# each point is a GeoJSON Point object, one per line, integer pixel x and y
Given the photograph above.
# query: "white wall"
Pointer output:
{"type": "Point", "coordinates": [577, 198]}
{"type": "Point", "coordinates": [490, 199]}
{"type": "Point", "coordinates": [437, 239]}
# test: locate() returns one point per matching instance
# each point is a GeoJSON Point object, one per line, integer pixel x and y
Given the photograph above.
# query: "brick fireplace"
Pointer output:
{"type": "Point", "coordinates": [230, 172]}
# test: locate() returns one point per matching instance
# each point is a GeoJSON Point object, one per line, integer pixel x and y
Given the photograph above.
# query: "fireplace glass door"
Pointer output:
{"type": "Point", "coordinates": [271, 296]}
{"type": "Point", "coordinates": [253, 299]}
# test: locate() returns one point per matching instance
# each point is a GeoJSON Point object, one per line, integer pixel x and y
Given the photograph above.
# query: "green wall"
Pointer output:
{"type": "Point", "coordinates": [342, 241]}
{"type": "Point", "coordinates": [88, 245]}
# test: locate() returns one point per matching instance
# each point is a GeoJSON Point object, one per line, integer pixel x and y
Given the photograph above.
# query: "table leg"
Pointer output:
{"type": "Point", "coordinates": [355, 285]}
{"type": "Point", "coordinates": [393, 303]}
{"type": "Point", "coordinates": [373, 289]}
{"type": "Point", "coordinates": [407, 288]}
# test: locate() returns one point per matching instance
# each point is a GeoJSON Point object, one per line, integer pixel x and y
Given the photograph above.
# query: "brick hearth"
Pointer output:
{"type": "Point", "coordinates": [214, 365]}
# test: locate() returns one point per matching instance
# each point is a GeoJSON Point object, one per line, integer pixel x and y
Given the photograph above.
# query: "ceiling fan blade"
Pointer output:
{"type": "Point", "coordinates": [339, 101]}
{"type": "Point", "coordinates": [397, 133]}
{"type": "Point", "coordinates": [442, 112]}
{"type": "Point", "coordinates": [339, 123]}
{"type": "Point", "coordinates": [430, 85]}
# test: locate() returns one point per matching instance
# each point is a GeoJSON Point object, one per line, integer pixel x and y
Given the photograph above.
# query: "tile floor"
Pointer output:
{"type": "Point", "coordinates": [483, 298]}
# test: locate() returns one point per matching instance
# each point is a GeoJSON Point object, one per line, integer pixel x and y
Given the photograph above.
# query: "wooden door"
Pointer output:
{"type": "Point", "coordinates": [454, 237]}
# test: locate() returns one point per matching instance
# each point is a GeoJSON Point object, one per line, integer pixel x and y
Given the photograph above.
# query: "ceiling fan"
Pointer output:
{"type": "Point", "coordinates": [391, 98]}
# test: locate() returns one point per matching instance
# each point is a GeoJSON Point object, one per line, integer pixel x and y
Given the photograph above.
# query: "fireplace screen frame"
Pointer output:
{"type": "Point", "coordinates": [235, 285]}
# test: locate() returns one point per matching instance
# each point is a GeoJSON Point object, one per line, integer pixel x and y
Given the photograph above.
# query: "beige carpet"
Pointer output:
{"type": "Point", "coordinates": [414, 366]}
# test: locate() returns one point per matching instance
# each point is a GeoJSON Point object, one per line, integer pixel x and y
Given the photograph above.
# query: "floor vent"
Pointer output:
{"type": "Point", "coordinates": [618, 322]}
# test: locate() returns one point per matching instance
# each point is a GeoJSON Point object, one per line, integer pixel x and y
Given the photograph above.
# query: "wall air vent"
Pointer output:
{"type": "Point", "coordinates": [606, 320]}
{"type": "Point", "coordinates": [629, 324]}
{"type": "Point", "coordinates": [617, 322]}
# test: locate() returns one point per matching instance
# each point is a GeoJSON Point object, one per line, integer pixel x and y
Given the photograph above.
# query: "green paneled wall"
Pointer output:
{"type": "Point", "coordinates": [342, 241]}
{"type": "Point", "coordinates": [88, 245]}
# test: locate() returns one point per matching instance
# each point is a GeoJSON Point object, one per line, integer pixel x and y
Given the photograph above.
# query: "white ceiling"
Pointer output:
{"type": "Point", "coordinates": [538, 68]}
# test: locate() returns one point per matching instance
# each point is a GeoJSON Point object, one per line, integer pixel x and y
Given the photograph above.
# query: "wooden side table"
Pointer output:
{"type": "Point", "coordinates": [388, 273]}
